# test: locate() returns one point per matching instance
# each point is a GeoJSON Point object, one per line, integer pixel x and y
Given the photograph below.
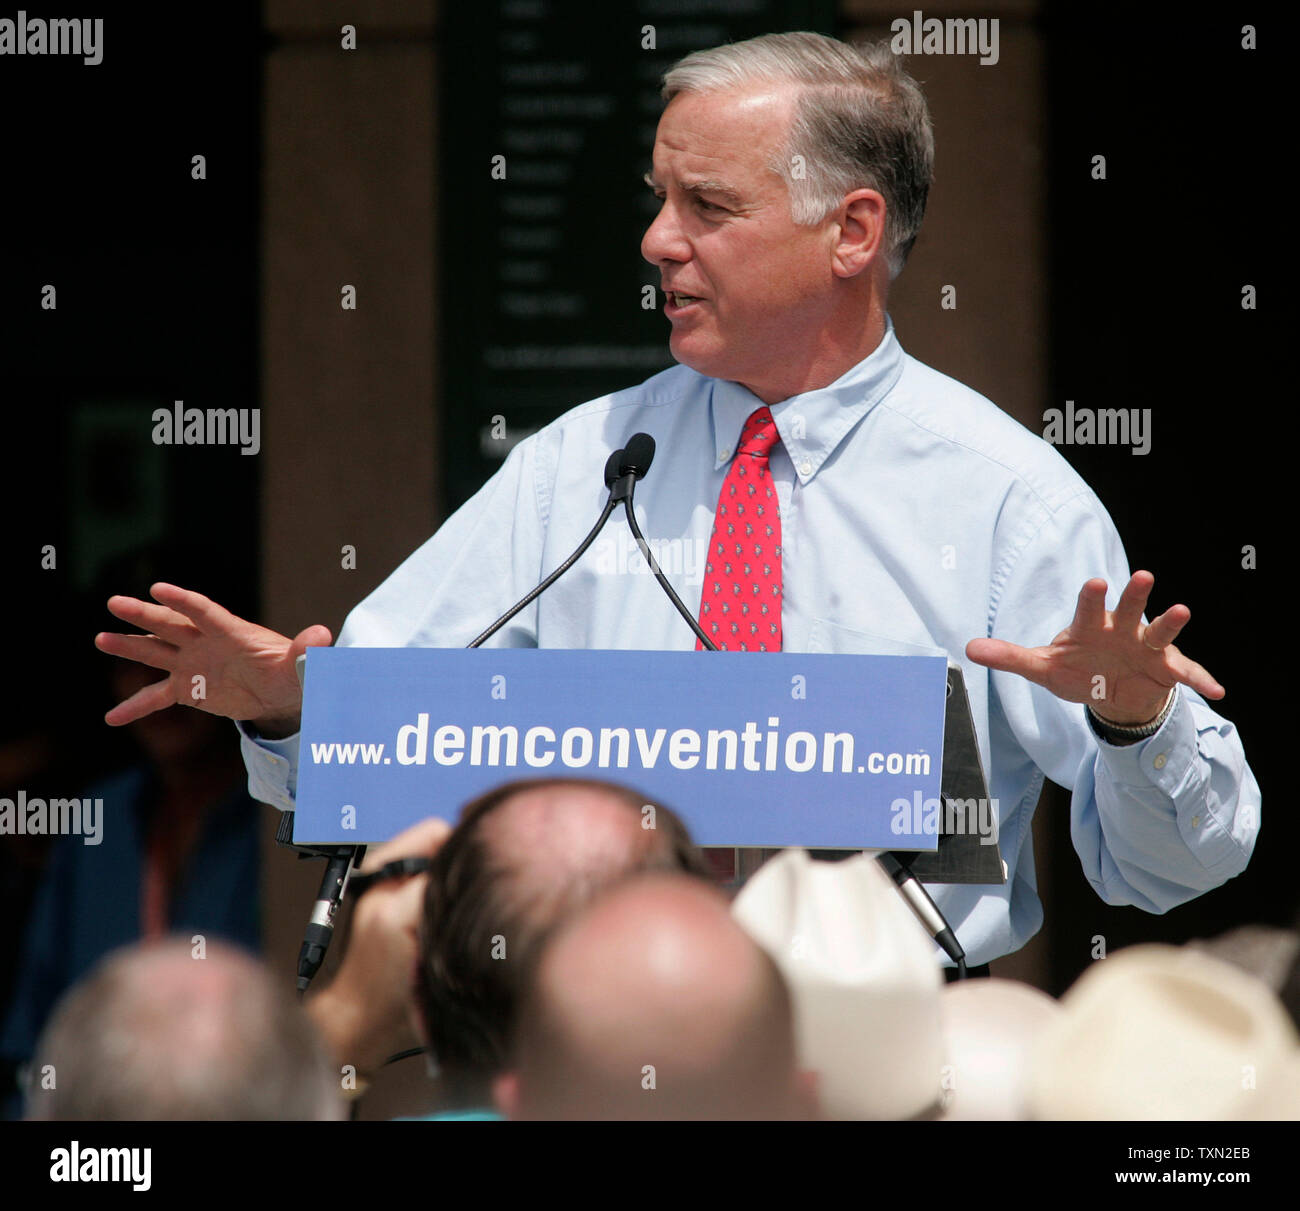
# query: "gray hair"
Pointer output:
{"type": "Point", "coordinates": [860, 122]}
{"type": "Point", "coordinates": [157, 1033]}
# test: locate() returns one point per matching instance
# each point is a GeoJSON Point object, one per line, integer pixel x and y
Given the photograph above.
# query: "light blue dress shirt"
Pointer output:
{"type": "Point", "coordinates": [915, 516]}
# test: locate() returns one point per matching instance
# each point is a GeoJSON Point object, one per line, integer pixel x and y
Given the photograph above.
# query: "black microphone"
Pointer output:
{"type": "Point", "coordinates": [633, 463]}
{"type": "Point", "coordinates": [925, 910]}
{"type": "Point", "coordinates": [320, 928]}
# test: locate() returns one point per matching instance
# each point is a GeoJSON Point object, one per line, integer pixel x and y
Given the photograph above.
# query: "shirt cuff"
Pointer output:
{"type": "Point", "coordinates": [1161, 760]}
{"type": "Point", "coordinates": [272, 767]}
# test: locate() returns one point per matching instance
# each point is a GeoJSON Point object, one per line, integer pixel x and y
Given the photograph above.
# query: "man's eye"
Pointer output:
{"type": "Point", "coordinates": [706, 205]}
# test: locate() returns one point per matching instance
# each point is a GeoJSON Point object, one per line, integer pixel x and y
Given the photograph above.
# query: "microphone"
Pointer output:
{"type": "Point", "coordinates": [925, 910]}
{"type": "Point", "coordinates": [320, 928]}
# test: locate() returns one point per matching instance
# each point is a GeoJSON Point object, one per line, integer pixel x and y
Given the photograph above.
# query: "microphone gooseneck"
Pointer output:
{"type": "Point", "coordinates": [613, 472]}
{"type": "Point", "coordinates": [636, 462]}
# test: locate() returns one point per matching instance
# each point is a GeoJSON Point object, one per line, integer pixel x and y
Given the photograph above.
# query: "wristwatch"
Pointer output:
{"type": "Point", "coordinates": [1116, 733]}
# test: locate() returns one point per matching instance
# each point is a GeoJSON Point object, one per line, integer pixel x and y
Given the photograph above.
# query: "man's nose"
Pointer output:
{"type": "Point", "coordinates": [663, 239]}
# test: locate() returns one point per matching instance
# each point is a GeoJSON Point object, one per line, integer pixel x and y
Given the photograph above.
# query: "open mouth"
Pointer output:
{"type": "Point", "coordinates": [677, 299]}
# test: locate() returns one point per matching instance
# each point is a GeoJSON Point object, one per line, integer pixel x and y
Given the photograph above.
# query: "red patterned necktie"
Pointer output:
{"type": "Point", "coordinates": [740, 607]}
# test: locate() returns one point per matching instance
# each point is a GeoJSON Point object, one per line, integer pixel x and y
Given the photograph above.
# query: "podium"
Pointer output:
{"type": "Point", "coordinates": [834, 753]}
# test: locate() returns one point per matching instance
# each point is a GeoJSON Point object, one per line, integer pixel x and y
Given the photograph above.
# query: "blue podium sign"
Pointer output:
{"type": "Point", "coordinates": [773, 749]}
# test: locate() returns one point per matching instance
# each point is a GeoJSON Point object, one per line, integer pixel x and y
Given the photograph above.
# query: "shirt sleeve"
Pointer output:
{"type": "Point", "coordinates": [1154, 823]}
{"type": "Point", "coordinates": [482, 560]}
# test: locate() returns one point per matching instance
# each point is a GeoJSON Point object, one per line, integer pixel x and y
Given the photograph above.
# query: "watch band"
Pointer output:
{"type": "Point", "coordinates": [1118, 733]}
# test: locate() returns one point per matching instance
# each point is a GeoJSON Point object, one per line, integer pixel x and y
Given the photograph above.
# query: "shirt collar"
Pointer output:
{"type": "Point", "coordinates": [813, 424]}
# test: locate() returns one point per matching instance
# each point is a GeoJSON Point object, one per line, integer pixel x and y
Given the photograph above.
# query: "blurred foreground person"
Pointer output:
{"type": "Point", "coordinates": [156, 1033]}
{"type": "Point", "coordinates": [521, 858]}
{"type": "Point", "coordinates": [520, 861]}
{"type": "Point", "coordinates": [654, 1003]}
{"type": "Point", "coordinates": [990, 1028]}
{"type": "Point", "coordinates": [1166, 1032]}
{"type": "Point", "coordinates": [863, 977]}
{"type": "Point", "coordinates": [1267, 952]}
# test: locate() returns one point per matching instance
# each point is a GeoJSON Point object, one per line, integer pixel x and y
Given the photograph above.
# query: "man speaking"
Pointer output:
{"type": "Point", "coordinates": [846, 499]}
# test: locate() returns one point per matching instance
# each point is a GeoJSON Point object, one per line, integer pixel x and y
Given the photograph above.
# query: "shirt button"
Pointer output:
{"type": "Point", "coordinates": [1159, 762]}
{"type": "Point", "coordinates": [724, 453]}
{"type": "Point", "coordinates": [1196, 822]}
{"type": "Point", "coordinates": [805, 467]}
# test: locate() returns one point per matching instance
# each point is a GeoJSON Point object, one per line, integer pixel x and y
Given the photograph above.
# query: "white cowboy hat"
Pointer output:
{"type": "Point", "coordinates": [1165, 1032]}
{"type": "Point", "coordinates": [863, 978]}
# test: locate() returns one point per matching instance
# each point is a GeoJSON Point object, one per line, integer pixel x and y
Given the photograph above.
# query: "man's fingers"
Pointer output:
{"type": "Point", "coordinates": [157, 620]}
{"type": "Point", "coordinates": [408, 905]}
{"type": "Point", "coordinates": [1164, 630]}
{"type": "Point", "coordinates": [1128, 610]}
{"type": "Point", "coordinates": [315, 636]}
{"type": "Point", "coordinates": [421, 840]}
{"type": "Point", "coordinates": [155, 697]}
{"type": "Point", "coordinates": [1195, 675]}
{"type": "Point", "coordinates": [1090, 612]}
{"type": "Point", "coordinates": [1009, 658]}
{"type": "Point", "coordinates": [143, 649]}
{"type": "Point", "coordinates": [205, 613]}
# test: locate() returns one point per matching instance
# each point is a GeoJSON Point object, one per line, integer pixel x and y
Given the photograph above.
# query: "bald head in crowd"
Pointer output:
{"type": "Point", "coordinates": [156, 1033]}
{"type": "Point", "coordinates": [520, 861]}
{"type": "Point", "coordinates": [653, 1003]}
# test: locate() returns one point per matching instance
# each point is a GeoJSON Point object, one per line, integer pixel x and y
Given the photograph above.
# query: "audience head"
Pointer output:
{"type": "Point", "coordinates": [1163, 1032]}
{"type": "Point", "coordinates": [520, 860]}
{"type": "Point", "coordinates": [653, 1003]}
{"type": "Point", "coordinates": [177, 1030]}
{"type": "Point", "coordinates": [864, 978]}
{"type": "Point", "coordinates": [1266, 952]}
{"type": "Point", "coordinates": [990, 1028]}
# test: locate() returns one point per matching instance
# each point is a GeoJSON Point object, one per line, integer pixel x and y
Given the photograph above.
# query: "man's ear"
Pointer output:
{"type": "Point", "coordinates": [505, 1092]}
{"type": "Point", "coordinates": [860, 233]}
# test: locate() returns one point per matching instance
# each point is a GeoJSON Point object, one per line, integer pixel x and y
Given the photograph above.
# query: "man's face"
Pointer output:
{"type": "Point", "coordinates": [747, 289]}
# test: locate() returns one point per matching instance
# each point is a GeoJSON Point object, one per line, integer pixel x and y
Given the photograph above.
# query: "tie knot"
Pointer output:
{"type": "Point", "coordinates": [759, 434]}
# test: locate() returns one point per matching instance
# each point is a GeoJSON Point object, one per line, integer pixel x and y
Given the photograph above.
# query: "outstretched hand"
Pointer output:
{"type": "Point", "coordinates": [217, 662]}
{"type": "Point", "coordinates": [1122, 667]}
